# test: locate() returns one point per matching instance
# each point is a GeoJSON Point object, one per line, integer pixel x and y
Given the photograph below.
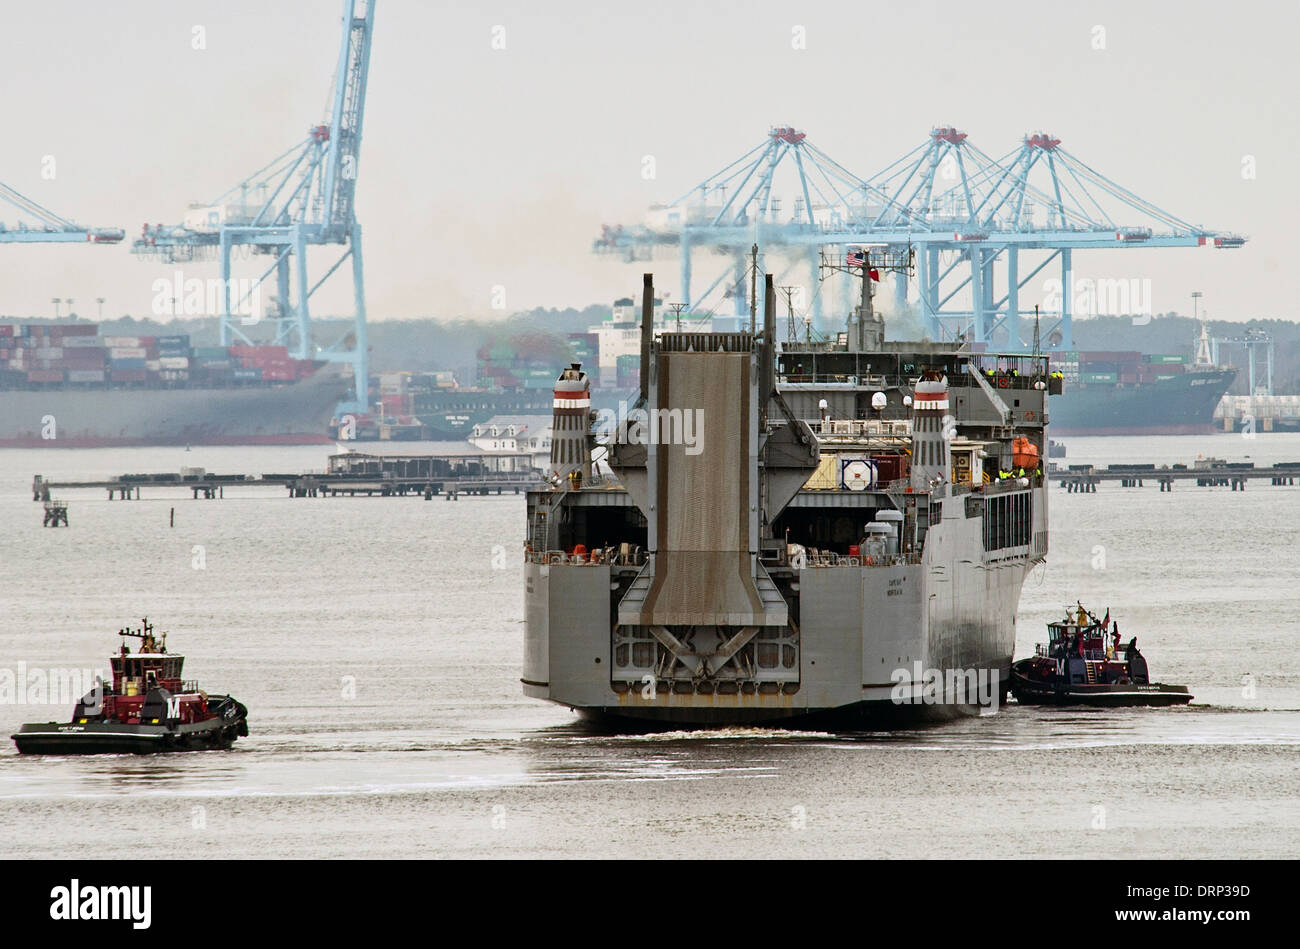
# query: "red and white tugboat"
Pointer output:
{"type": "Point", "coordinates": [148, 709]}
{"type": "Point", "coordinates": [1077, 666]}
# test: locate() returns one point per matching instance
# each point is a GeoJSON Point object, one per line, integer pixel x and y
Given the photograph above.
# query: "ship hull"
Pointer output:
{"type": "Point", "coordinates": [859, 716]}
{"type": "Point", "coordinates": [1182, 405]}
{"type": "Point", "coordinates": [1030, 691]}
{"type": "Point", "coordinates": [296, 414]}
{"type": "Point", "coordinates": [116, 738]}
{"type": "Point", "coordinates": [869, 636]}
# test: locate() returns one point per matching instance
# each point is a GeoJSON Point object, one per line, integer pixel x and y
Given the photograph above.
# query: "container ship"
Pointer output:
{"type": "Point", "coordinates": [823, 535]}
{"type": "Point", "coordinates": [1131, 393]}
{"type": "Point", "coordinates": [64, 385]}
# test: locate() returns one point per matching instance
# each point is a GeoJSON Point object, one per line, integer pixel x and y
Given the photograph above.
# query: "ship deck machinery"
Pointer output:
{"type": "Point", "coordinates": [833, 527]}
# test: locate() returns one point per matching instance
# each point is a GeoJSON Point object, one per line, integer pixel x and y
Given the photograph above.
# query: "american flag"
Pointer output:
{"type": "Point", "coordinates": [858, 258]}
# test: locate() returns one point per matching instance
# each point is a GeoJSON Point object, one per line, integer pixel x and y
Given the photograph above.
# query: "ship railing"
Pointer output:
{"type": "Point", "coordinates": [869, 381]}
{"type": "Point", "coordinates": [600, 556]}
{"type": "Point", "coordinates": [827, 558]}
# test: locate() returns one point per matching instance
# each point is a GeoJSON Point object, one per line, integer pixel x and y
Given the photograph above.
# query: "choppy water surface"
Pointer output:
{"type": "Point", "coordinates": [377, 645]}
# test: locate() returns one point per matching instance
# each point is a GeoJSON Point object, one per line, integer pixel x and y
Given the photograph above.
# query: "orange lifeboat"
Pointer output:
{"type": "Point", "coordinates": [1024, 454]}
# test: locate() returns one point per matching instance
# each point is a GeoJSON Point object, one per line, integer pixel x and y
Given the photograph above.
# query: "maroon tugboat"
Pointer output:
{"type": "Point", "coordinates": [1078, 666]}
{"type": "Point", "coordinates": [148, 709]}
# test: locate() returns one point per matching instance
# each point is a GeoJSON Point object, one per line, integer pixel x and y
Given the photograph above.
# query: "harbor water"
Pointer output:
{"type": "Point", "coordinates": [377, 645]}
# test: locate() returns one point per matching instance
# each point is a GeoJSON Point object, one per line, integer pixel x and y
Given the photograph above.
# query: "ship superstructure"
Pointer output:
{"type": "Point", "coordinates": [835, 532]}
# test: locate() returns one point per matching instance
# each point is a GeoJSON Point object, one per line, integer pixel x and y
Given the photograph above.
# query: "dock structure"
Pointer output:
{"type": "Point", "coordinates": [56, 514]}
{"type": "Point", "coordinates": [1083, 479]}
{"type": "Point", "coordinates": [446, 469]}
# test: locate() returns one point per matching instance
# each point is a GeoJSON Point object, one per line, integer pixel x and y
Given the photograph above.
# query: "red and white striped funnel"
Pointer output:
{"type": "Point", "coordinates": [931, 454]}
{"type": "Point", "coordinates": [570, 442]}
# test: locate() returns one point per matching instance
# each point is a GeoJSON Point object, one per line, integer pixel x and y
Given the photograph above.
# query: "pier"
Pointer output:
{"type": "Point", "coordinates": [1083, 479]}
{"type": "Point", "coordinates": [423, 474]}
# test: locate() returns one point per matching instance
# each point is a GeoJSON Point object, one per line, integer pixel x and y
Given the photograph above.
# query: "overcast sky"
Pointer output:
{"type": "Point", "coordinates": [485, 167]}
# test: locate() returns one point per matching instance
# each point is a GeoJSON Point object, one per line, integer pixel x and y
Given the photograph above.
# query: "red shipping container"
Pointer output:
{"type": "Point", "coordinates": [281, 351]}
{"type": "Point", "coordinates": [1127, 355]}
{"type": "Point", "coordinates": [129, 375]}
{"type": "Point", "coordinates": [888, 468]}
{"type": "Point", "coordinates": [6, 329]}
{"type": "Point", "coordinates": [1128, 378]}
{"type": "Point", "coordinates": [45, 375]}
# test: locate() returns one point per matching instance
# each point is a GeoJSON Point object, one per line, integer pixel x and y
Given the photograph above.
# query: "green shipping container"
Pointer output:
{"type": "Point", "coordinates": [1098, 378]}
{"type": "Point", "coordinates": [1166, 358]}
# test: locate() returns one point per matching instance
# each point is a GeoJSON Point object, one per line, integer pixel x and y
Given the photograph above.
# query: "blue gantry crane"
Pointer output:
{"type": "Point", "coordinates": [966, 215]}
{"type": "Point", "coordinates": [38, 225]}
{"type": "Point", "coordinates": [971, 216]}
{"type": "Point", "coordinates": [735, 208]}
{"type": "Point", "coordinates": [302, 198]}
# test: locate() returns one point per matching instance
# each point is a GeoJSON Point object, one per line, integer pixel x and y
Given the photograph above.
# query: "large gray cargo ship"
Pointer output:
{"type": "Point", "coordinates": [291, 413]}
{"type": "Point", "coordinates": [834, 534]}
{"type": "Point", "coordinates": [62, 385]}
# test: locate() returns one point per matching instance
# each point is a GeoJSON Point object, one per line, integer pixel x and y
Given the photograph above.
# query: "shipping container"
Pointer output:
{"type": "Point", "coordinates": [173, 362]}
{"type": "Point", "coordinates": [1097, 378]}
{"type": "Point", "coordinates": [6, 329]}
{"type": "Point", "coordinates": [81, 342]}
{"type": "Point", "coordinates": [246, 375]}
{"type": "Point", "coordinates": [128, 363]}
{"type": "Point", "coordinates": [45, 375]}
{"type": "Point", "coordinates": [128, 375]}
{"type": "Point", "coordinates": [211, 352]}
{"type": "Point", "coordinates": [179, 340]}
{"type": "Point", "coordinates": [207, 363]}
{"type": "Point", "coordinates": [1123, 355]}
{"type": "Point", "coordinates": [85, 375]}
{"type": "Point", "coordinates": [128, 352]}
{"type": "Point", "coordinates": [1164, 358]}
{"type": "Point", "coordinates": [889, 468]}
{"type": "Point", "coordinates": [260, 352]}
{"type": "Point", "coordinates": [48, 352]}
{"type": "Point", "coordinates": [124, 342]}
{"type": "Point", "coordinates": [67, 330]}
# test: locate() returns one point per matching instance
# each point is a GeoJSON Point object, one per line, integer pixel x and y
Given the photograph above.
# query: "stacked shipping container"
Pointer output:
{"type": "Point", "coordinates": [74, 354]}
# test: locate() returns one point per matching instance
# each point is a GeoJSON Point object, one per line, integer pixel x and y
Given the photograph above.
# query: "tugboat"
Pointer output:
{"type": "Point", "coordinates": [1077, 667]}
{"type": "Point", "coordinates": [148, 709]}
